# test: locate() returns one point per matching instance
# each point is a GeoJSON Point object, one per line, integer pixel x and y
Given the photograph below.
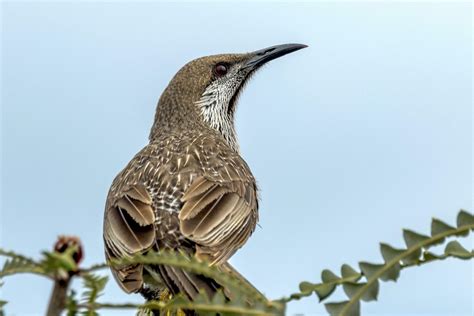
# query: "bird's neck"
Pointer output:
{"type": "Point", "coordinates": [175, 117]}
{"type": "Point", "coordinates": [222, 122]}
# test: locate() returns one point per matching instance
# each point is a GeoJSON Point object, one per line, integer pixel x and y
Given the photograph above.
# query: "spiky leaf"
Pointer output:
{"type": "Point", "coordinates": [455, 249]}
{"type": "Point", "coordinates": [413, 238]}
{"type": "Point", "coordinates": [329, 276]}
{"type": "Point", "coordinates": [439, 227]}
{"type": "Point", "coordinates": [348, 273]}
{"type": "Point", "coordinates": [389, 252]}
{"type": "Point", "coordinates": [464, 219]}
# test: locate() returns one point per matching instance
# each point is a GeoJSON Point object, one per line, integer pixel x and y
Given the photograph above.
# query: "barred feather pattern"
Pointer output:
{"type": "Point", "coordinates": [187, 191]}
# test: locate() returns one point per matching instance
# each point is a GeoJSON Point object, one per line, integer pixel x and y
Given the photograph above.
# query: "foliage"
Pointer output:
{"type": "Point", "coordinates": [358, 285]}
{"type": "Point", "coordinates": [416, 253]}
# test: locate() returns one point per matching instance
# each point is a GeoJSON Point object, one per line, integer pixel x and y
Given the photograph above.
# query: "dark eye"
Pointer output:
{"type": "Point", "coordinates": [220, 70]}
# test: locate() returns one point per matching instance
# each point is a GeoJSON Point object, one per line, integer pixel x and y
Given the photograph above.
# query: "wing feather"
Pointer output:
{"type": "Point", "coordinates": [128, 230]}
{"type": "Point", "coordinates": [217, 215]}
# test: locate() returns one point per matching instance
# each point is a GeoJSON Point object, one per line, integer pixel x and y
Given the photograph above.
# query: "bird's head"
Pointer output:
{"type": "Point", "coordinates": [205, 91]}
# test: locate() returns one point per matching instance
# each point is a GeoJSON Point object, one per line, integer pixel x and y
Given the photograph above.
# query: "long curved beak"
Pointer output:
{"type": "Point", "coordinates": [260, 57]}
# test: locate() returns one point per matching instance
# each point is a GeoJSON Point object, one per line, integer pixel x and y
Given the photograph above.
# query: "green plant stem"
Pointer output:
{"type": "Point", "coordinates": [299, 295]}
{"type": "Point", "coordinates": [93, 268]}
{"type": "Point", "coordinates": [396, 260]}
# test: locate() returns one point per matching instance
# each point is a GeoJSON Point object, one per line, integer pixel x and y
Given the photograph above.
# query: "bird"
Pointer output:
{"type": "Point", "coordinates": [188, 190]}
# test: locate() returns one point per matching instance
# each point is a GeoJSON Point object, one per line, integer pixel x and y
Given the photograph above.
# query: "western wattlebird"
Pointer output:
{"type": "Point", "coordinates": [188, 189]}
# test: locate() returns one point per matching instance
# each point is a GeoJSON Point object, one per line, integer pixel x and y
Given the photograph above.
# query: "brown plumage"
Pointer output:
{"type": "Point", "coordinates": [188, 189]}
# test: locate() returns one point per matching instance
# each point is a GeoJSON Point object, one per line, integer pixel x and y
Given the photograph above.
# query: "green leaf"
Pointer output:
{"type": "Point", "coordinates": [71, 304]}
{"type": "Point", "coordinates": [335, 309]}
{"type": "Point", "coordinates": [228, 279]}
{"type": "Point", "coordinates": [389, 273]}
{"type": "Point", "coordinates": [63, 260]}
{"type": "Point", "coordinates": [324, 290]}
{"type": "Point", "coordinates": [306, 286]}
{"type": "Point", "coordinates": [430, 256]}
{"type": "Point", "coordinates": [329, 276]}
{"type": "Point", "coordinates": [413, 238]}
{"type": "Point", "coordinates": [395, 260]}
{"type": "Point", "coordinates": [347, 272]}
{"type": "Point", "coordinates": [370, 291]}
{"type": "Point", "coordinates": [464, 219]}
{"type": "Point", "coordinates": [369, 269]}
{"type": "Point", "coordinates": [351, 288]}
{"type": "Point", "coordinates": [389, 252]}
{"type": "Point", "coordinates": [439, 227]}
{"type": "Point", "coordinates": [454, 248]}
{"type": "Point", "coordinates": [19, 265]}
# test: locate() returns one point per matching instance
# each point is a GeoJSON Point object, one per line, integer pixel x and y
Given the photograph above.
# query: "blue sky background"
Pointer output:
{"type": "Point", "coordinates": [365, 132]}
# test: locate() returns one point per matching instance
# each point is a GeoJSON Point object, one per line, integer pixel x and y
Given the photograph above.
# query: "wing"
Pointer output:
{"type": "Point", "coordinates": [220, 211]}
{"type": "Point", "coordinates": [128, 230]}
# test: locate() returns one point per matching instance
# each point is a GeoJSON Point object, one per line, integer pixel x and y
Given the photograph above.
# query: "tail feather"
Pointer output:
{"type": "Point", "coordinates": [190, 284]}
{"type": "Point", "coordinates": [187, 283]}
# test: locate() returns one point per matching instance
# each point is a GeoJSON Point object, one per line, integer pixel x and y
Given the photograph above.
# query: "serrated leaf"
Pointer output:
{"type": "Point", "coordinates": [347, 272]}
{"type": "Point", "coordinates": [455, 249]}
{"type": "Point", "coordinates": [413, 238]}
{"type": "Point", "coordinates": [370, 293]}
{"type": "Point", "coordinates": [306, 286]}
{"type": "Point", "coordinates": [19, 265]}
{"type": "Point", "coordinates": [351, 288]}
{"type": "Point", "coordinates": [335, 309]}
{"type": "Point", "coordinates": [329, 276]}
{"type": "Point", "coordinates": [391, 274]}
{"type": "Point", "coordinates": [413, 258]}
{"type": "Point", "coordinates": [389, 252]}
{"type": "Point", "coordinates": [439, 227]}
{"type": "Point", "coordinates": [369, 269]}
{"type": "Point", "coordinates": [464, 218]}
{"type": "Point", "coordinates": [324, 290]}
{"type": "Point", "coordinates": [429, 256]}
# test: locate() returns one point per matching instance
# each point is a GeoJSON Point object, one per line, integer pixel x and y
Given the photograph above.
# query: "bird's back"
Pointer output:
{"type": "Point", "coordinates": [188, 191]}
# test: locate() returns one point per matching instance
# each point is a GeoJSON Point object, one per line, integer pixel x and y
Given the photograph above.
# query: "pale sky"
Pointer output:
{"type": "Point", "coordinates": [365, 132]}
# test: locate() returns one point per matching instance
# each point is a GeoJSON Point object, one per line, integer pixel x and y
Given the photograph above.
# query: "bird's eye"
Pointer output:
{"type": "Point", "coordinates": [220, 70]}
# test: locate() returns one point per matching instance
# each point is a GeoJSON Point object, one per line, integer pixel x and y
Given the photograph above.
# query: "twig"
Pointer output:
{"type": "Point", "coordinates": [57, 301]}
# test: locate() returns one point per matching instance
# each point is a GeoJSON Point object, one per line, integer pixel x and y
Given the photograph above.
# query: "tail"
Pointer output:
{"type": "Point", "coordinates": [188, 283]}
{"type": "Point", "coordinates": [191, 284]}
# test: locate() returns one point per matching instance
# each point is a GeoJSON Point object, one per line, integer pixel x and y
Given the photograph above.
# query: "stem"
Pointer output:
{"type": "Point", "coordinates": [396, 260]}
{"type": "Point", "coordinates": [57, 302]}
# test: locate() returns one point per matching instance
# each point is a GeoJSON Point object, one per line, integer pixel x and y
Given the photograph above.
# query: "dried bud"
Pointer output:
{"type": "Point", "coordinates": [64, 242]}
